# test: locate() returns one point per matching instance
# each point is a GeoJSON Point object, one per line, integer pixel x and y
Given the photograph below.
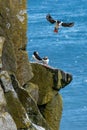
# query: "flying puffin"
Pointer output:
{"type": "Point", "coordinates": [58, 23]}
{"type": "Point", "coordinates": [38, 59]}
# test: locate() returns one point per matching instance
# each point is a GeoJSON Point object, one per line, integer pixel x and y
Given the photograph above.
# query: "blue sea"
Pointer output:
{"type": "Point", "coordinates": [67, 50]}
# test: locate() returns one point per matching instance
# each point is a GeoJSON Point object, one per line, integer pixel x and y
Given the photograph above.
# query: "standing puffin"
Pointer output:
{"type": "Point", "coordinates": [45, 60]}
{"type": "Point", "coordinates": [38, 59]}
{"type": "Point", "coordinates": [58, 23]}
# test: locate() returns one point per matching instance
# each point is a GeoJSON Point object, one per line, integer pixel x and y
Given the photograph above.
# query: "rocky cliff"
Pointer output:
{"type": "Point", "coordinates": [29, 92]}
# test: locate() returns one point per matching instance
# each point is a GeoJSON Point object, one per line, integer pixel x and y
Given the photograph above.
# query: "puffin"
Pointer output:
{"type": "Point", "coordinates": [45, 60]}
{"type": "Point", "coordinates": [58, 23]}
{"type": "Point", "coordinates": [36, 56]}
{"type": "Point", "coordinates": [38, 59]}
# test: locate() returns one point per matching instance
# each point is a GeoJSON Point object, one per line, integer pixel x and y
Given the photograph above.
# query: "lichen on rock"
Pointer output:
{"type": "Point", "coordinates": [2, 39]}
{"type": "Point", "coordinates": [6, 121]}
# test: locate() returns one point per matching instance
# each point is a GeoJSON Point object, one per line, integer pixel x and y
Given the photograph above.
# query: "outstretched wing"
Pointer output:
{"type": "Point", "coordinates": [68, 24]}
{"type": "Point", "coordinates": [50, 19]}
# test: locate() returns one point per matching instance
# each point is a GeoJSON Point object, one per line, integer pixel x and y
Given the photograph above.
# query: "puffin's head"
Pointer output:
{"type": "Point", "coordinates": [45, 58]}
{"type": "Point", "coordinates": [35, 53]}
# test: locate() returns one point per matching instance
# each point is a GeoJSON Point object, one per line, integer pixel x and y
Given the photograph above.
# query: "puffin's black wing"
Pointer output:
{"type": "Point", "coordinates": [50, 19]}
{"type": "Point", "coordinates": [38, 57]}
{"type": "Point", "coordinates": [35, 55]}
{"type": "Point", "coordinates": [68, 24]}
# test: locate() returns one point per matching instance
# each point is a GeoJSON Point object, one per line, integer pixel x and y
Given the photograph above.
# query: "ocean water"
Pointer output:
{"type": "Point", "coordinates": [66, 50]}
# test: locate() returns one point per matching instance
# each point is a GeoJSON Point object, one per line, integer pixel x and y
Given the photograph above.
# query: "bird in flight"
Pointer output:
{"type": "Point", "coordinates": [58, 23]}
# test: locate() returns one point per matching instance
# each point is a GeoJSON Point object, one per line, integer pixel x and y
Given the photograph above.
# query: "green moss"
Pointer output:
{"type": "Point", "coordinates": [31, 108]}
{"type": "Point", "coordinates": [43, 78]}
{"type": "Point", "coordinates": [24, 70]}
{"type": "Point", "coordinates": [29, 104]}
{"type": "Point", "coordinates": [53, 112]}
{"type": "Point", "coordinates": [49, 81]}
{"type": "Point", "coordinates": [39, 72]}
{"type": "Point", "coordinates": [16, 110]}
{"type": "Point", "coordinates": [32, 90]}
